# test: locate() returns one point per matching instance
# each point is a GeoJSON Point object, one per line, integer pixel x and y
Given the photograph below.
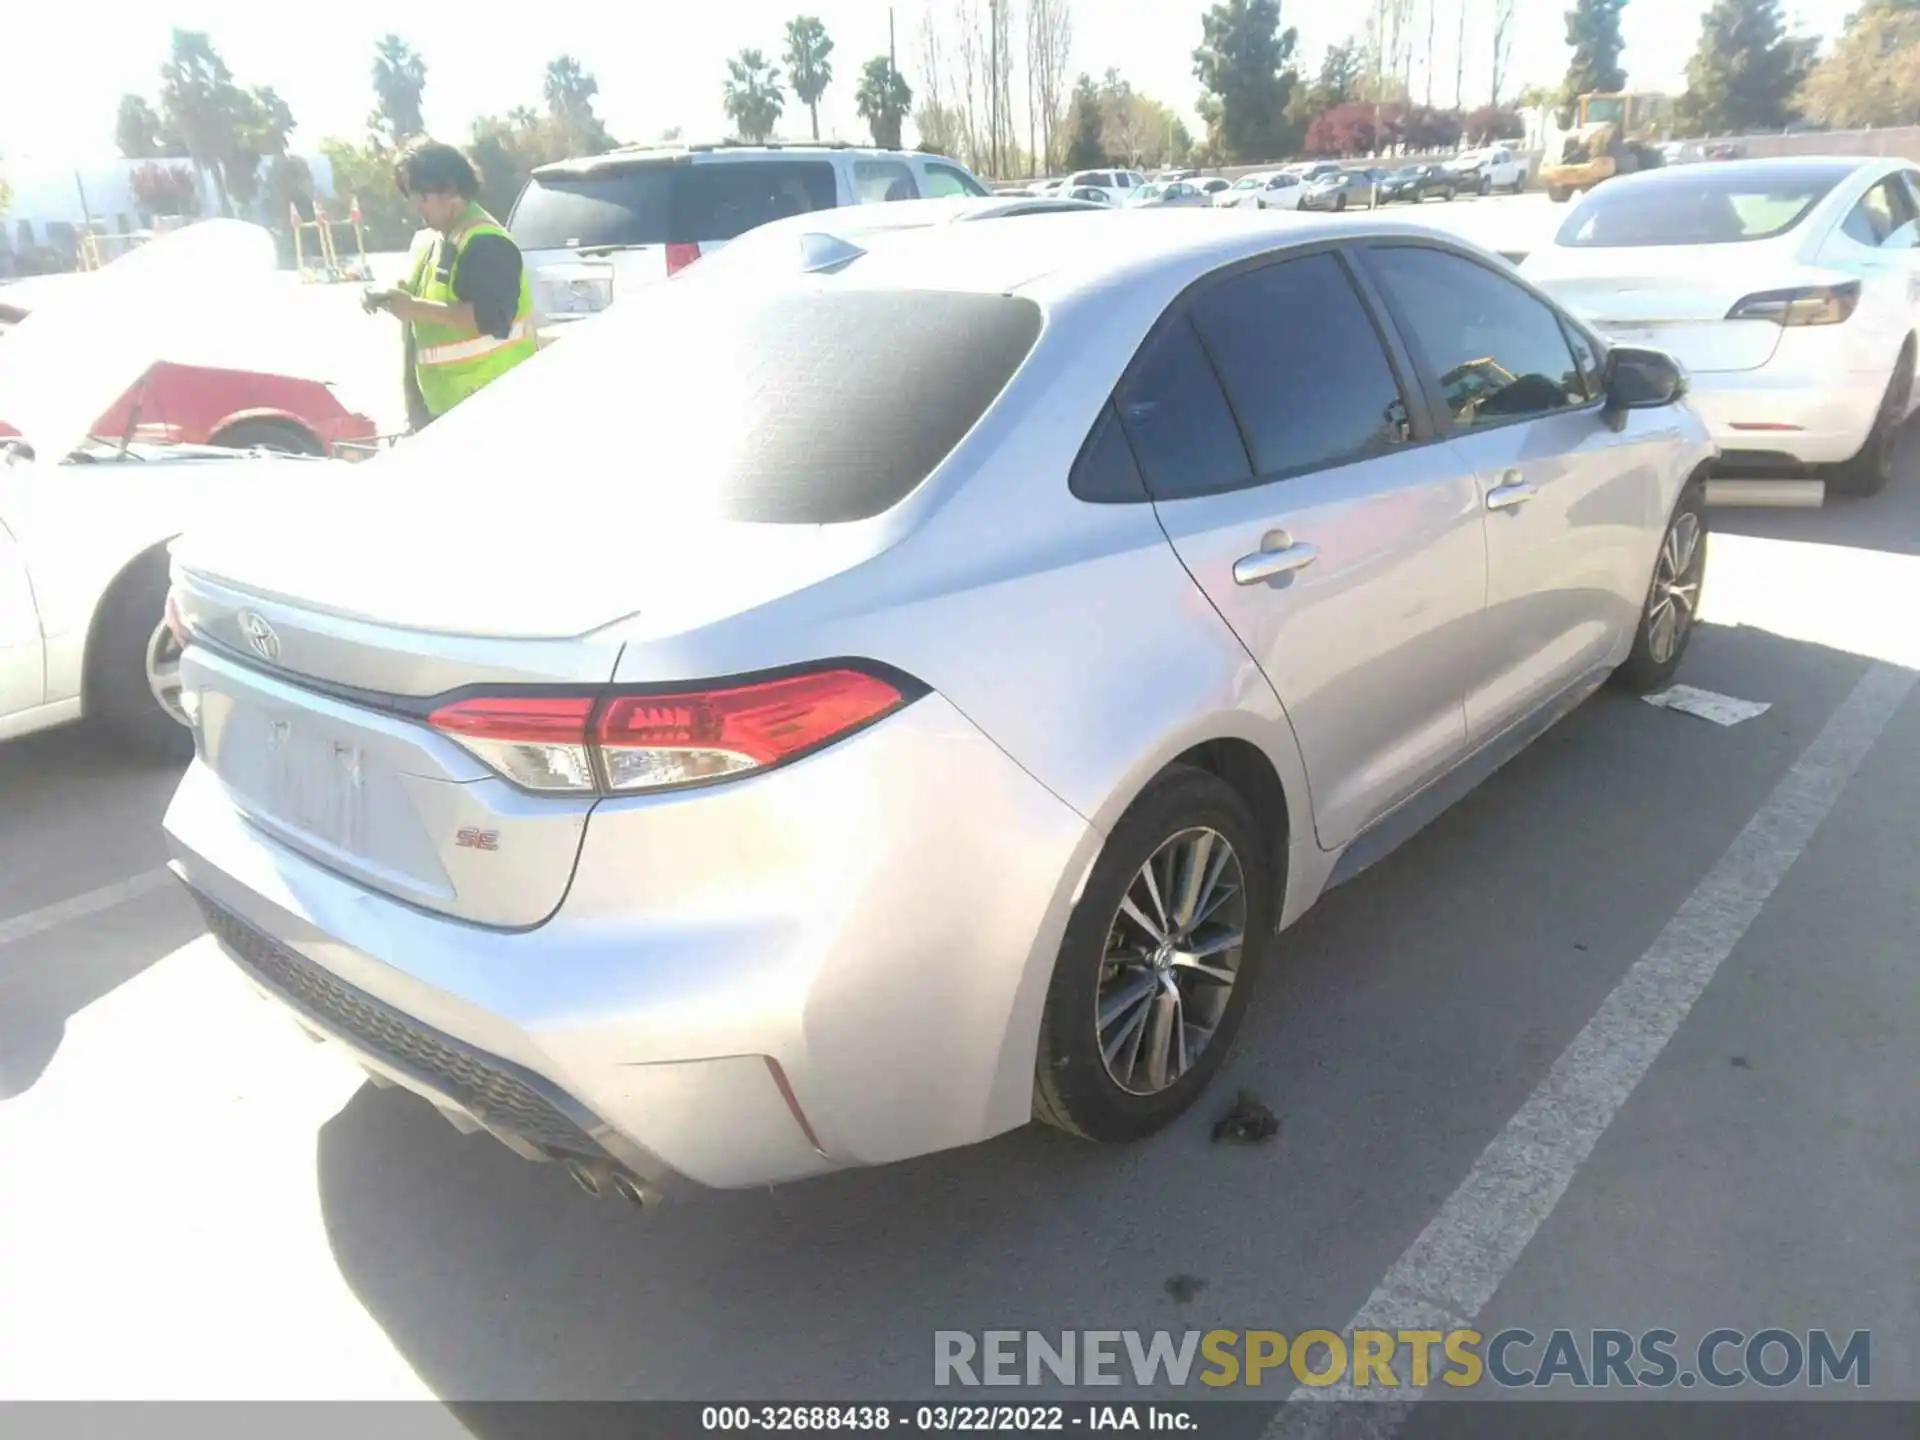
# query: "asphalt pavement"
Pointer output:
{"type": "Point", "coordinates": [1622, 1041]}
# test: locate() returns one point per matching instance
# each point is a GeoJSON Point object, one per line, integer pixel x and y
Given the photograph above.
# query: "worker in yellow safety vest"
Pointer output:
{"type": "Point", "coordinates": [467, 306]}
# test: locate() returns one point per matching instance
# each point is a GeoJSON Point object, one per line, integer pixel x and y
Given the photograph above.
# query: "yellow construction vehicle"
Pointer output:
{"type": "Point", "coordinates": [1615, 133]}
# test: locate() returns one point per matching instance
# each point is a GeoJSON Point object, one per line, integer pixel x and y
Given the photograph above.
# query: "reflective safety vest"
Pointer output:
{"type": "Point", "coordinates": [450, 362]}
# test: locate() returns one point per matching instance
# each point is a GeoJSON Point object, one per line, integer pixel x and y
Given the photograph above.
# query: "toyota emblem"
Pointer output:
{"type": "Point", "coordinates": [261, 638]}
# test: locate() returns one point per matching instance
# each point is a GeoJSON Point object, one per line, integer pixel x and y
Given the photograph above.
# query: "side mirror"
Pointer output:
{"type": "Point", "coordinates": [1636, 379]}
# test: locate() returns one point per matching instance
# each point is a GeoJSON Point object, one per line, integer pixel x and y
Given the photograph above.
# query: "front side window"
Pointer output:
{"type": "Point", "coordinates": [882, 180]}
{"type": "Point", "coordinates": [1173, 412]}
{"type": "Point", "coordinates": [944, 181]}
{"type": "Point", "coordinates": [1499, 352]}
{"type": "Point", "coordinates": [1303, 366]}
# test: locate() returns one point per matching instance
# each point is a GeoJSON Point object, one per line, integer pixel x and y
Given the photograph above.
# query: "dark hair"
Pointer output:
{"type": "Point", "coordinates": [430, 167]}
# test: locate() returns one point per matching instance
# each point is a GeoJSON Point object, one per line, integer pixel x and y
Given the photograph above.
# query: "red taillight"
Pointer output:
{"type": "Point", "coordinates": [627, 742]}
{"type": "Point", "coordinates": [681, 256]}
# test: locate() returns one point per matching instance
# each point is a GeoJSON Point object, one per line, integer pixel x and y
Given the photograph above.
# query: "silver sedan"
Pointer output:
{"type": "Point", "coordinates": [1174, 195]}
{"type": "Point", "coordinates": [923, 701]}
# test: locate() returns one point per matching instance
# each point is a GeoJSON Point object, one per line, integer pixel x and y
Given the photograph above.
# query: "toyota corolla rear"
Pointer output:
{"type": "Point", "coordinates": [535, 789]}
{"type": "Point", "coordinates": [1717, 267]}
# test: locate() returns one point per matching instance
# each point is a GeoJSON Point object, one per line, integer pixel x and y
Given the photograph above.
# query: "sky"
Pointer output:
{"type": "Point", "coordinates": [663, 65]}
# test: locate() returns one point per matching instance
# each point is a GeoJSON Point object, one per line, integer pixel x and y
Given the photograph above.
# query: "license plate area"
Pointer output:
{"type": "Point", "coordinates": [314, 782]}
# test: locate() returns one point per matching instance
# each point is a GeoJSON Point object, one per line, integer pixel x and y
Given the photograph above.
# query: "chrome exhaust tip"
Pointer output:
{"type": "Point", "coordinates": [632, 1191]}
{"type": "Point", "coordinates": [590, 1177]}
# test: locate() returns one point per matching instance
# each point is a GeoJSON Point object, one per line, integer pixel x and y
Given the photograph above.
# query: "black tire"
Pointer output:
{"type": "Point", "coordinates": [1339, 202]}
{"type": "Point", "coordinates": [1869, 472]}
{"type": "Point", "coordinates": [272, 435]}
{"type": "Point", "coordinates": [1074, 1087]}
{"type": "Point", "coordinates": [1652, 663]}
{"type": "Point", "coordinates": [1447, 194]}
{"type": "Point", "coordinates": [1486, 185]}
{"type": "Point", "coordinates": [117, 692]}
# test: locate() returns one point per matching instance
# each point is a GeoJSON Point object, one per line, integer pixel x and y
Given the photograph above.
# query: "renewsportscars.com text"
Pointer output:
{"type": "Point", "coordinates": [1403, 1359]}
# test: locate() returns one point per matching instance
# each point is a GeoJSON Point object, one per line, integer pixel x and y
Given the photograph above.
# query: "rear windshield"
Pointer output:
{"type": "Point", "coordinates": [667, 204]}
{"type": "Point", "coordinates": [798, 407]}
{"type": "Point", "coordinates": [1710, 209]}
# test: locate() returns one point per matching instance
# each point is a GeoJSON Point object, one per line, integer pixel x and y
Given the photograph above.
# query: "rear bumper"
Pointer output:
{"type": "Point", "coordinates": [839, 963]}
{"type": "Point", "coordinates": [1789, 412]}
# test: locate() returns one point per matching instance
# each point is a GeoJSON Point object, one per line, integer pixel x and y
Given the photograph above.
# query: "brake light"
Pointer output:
{"type": "Point", "coordinates": [679, 257]}
{"type": "Point", "coordinates": [626, 743]}
{"type": "Point", "coordinates": [1807, 305]}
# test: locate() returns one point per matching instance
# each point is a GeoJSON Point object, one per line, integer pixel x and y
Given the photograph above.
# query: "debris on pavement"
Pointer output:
{"type": "Point", "coordinates": [1185, 1289]}
{"type": "Point", "coordinates": [1721, 709]}
{"type": "Point", "coordinates": [1247, 1123]}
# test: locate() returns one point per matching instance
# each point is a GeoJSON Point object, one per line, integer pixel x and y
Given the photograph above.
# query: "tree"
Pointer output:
{"type": "Point", "coordinates": [1490, 124]}
{"type": "Point", "coordinates": [1086, 147]}
{"type": "Point", "coordinates": [753, 98]}
{"type": "Point", "coordinates": [883, 100]}
{"type": "Point", "coordinates": [1049, 49]}
{"type": "Point", "coordinates": [569, 92]}
{"type": "Point", "coordinates": [1344, 130]}
{"type": "Point", "coordinates": [1243, 65]}
{"type": "Point", "coordinates": [139, 132]}
{"type": "Point", "coordinates": [1744, 73]}
{"type": "Point", "coordinates": [1503, 12]}
{"type": "Point", "coordinates": [1873, 75]}
{"type": "Point", "coordinates": [399, 82]}
{"type": "Point", "coordinates": [6, 193]}
{"type": "Point", "coordinates": [1593, 30]}
{"type": "Point", "coordinates": [1340, 74]}
{"type": "Point", "coordinates": [197, 96]}
{"type": "Point", "coordinates": [938, 128]}
{"type": "Point", "coordinates": [808, 47]}
{"type": "Point", "coordinates": [262, 125]}
{"type": "Point", "coordinates": [165, 190]}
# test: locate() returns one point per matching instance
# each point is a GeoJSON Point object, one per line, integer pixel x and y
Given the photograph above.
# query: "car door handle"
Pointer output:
{"type": "Point", "coordinates": [1280, 557]}
{"type": "Point", "coordinates": [1511, 491]}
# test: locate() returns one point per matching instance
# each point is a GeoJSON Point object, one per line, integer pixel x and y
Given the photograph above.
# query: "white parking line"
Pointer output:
{"type": "Point", "coordinates": [1450, 1272]}
{"type": "Point", "coordinates": [47, 917]}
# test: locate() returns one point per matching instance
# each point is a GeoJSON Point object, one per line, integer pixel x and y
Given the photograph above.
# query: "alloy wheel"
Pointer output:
{"type": "Point", "coordinates": [1676, 589]}
{"type": "Point", "coordinates": [163, 673]}
{"type": "Point", "coordinates": [1171, 960]}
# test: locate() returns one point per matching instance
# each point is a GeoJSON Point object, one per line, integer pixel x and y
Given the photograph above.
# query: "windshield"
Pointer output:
{"type": "Point", "coordinates": [1710, 209]}
{"type": "Point", "coordinates": [1605, 110]}
{"type": "Point", "coordinates": [777, 404]}
{"type": "Point", "coordinates": [666, 204]}
{"type": "Point", "coordinates": [1247, 184]}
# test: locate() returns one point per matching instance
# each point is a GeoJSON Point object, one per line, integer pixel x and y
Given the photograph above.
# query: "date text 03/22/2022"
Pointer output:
{"type": "Point", "coordinates": [939, 1419]}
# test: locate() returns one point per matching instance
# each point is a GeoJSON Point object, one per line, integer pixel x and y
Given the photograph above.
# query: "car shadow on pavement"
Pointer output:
{"type": "Point", "coordinates": [1402, 1023]}
{"type": "Point", "coordinates": [77, 812]}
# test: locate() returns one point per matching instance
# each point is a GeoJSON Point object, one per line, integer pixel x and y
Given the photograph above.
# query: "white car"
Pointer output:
{"type": "Point", "coordinates": [1267, 190]}
{"type": "Point", "coordinates": [1118, 184]}
{"type": "Point", "coordinates": [1491, 169]}
{"type": "Point", "coordinates": [597, 227]}
{"type": "Point", "coordinates": [1790, 289]}
{"type": "Point", "coordinates": [84, 526]}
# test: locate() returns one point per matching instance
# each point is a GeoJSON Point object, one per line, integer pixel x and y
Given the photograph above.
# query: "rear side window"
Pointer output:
{"type": "Point", "coordinates": [797, 407]}
{"type": "Point", "coordinates": [1498, 351]}
{"type": "Point", "coordinates": [1883, 213]}
{"type": "Point", "coordinates": [1106, 472]}
{"type": "Point", "coordinates": [1303, 366]}
{"type": "Point", "coordinates": [1182, 430]}
{"type": "Point", "coordinates": [667, 204]}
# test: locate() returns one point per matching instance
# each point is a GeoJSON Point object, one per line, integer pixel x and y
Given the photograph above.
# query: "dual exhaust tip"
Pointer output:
{"type": "Point", "coordinates": [600, 1179]}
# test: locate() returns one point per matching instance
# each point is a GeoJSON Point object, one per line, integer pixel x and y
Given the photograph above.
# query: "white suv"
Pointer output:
{"type": "Point", "coordinates": [1118, 184]}
{"type": "Point", "coordinates": [594, 227]}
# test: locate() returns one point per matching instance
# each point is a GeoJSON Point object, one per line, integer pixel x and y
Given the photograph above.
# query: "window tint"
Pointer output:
{"type": "Point", "coordinates": [1106, 472]}
{"type": "Point", "coordinates": [783, 407]}
{"type": "Point", "coordinates": [944, 180]}
{"type": "Point", "coordinates": [881, 180]}
{"type": "Point", "coordinates": [1498, 351]}
{"type": "Point", "coordinates": [1586, 360]}
{"type": "Point", "coordinates": [666, 204]}
{"type": "Point", "coordinates": [1302, 365]}
{"type": "Point", "coordinates": [1182, 431]}
{"type": "Point", "coordinates": [1880, 216]}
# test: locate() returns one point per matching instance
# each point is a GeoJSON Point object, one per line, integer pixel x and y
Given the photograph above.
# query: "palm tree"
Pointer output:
{"type": "Point", "coordinates": [399, 80]}
{"type": "Point", "coordinates": [753, 97]}
{"type": "Point", "coordinates": [807, 50]}
{"type": "Point", "coordinates": [884, 100]}
{"type": "Point", "coordinates": [570, 90]}
{"type": "Point", "coordinates": [197, 97]}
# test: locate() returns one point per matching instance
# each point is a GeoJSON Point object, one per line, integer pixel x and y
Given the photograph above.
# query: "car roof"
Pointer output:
{"type": "Point", "coordinates": [641, 156]}
{"type": "Point", "coordinates": [1055, 257]}
{"type": "Point", "coordinates": [1767, 171]}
